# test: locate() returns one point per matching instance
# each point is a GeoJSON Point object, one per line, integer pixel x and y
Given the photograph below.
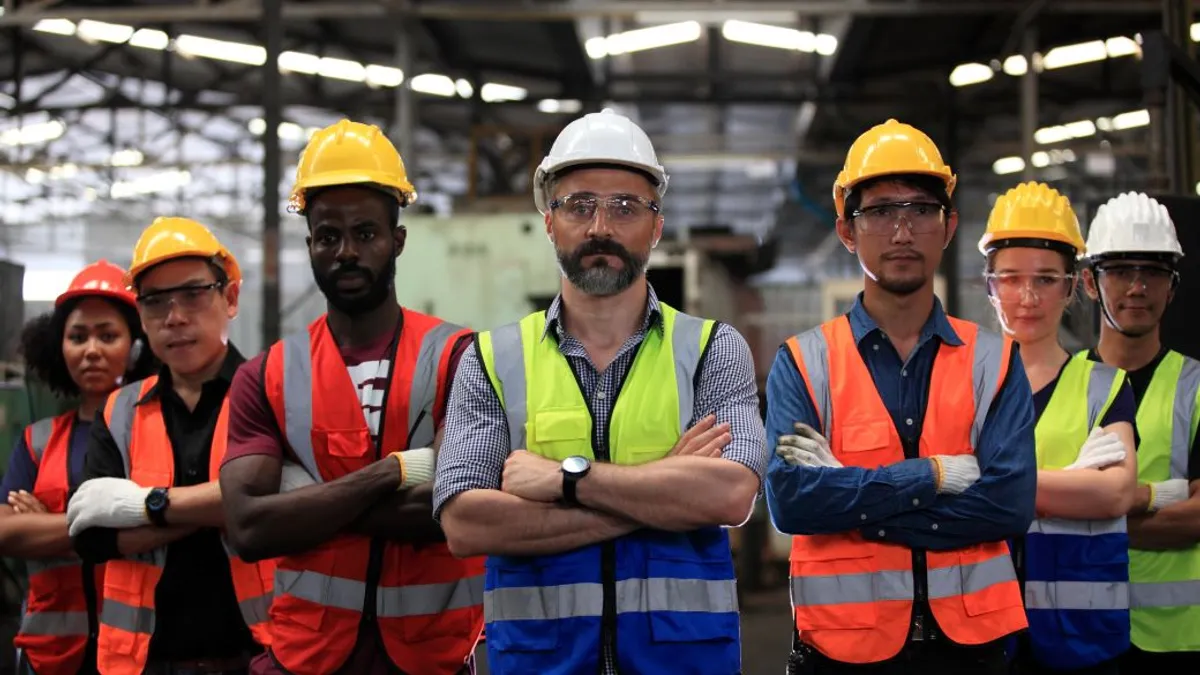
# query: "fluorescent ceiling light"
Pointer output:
{"type": "Point", "coordinates": [643, 38]}
{"type": "Point", "coordinates": [126, 158]}
{"type": "Point", "coordinates": [32, 134]}
{"type": "Point", "coordinates": [1041, 159]}
{"type": "Point", "coordinates": [1195, 31]}
{"type": "Point", "coordinates": [55, 26]}
{"type": "Point", "coordinates": [717, 16]}
{"type": "Point", "coordinates": [1121, 46]}
{"type": "Point", "coordinates": [464, 88]}
{"type": "Point", "coordinates": [779, 37]}
{"type": "Point", "coordinates": [1064, 132]}
{"type": "Point", "coordinates": [433, 83]}
{"type": "Point", "coordinates": [159, 182]}
{"type": "Point", "coordinates": [494, 91]}
{"type": "Point", "coordinates": [99, 31]}
{"type": "Point", "coordinates": [1129, 120]}
{"type": "Point", "coordinates": [149, 38]}
{"type": "Point", "coordinates": [287, 130]}
{"type": "Point", "coordinates": [1067, 55]}
{"type": "Point", "coordinates": [299, 62]}
{"type": "Point", "coordinates": [1015, 65]}
{"type": "Point", "coordinates": [1007, 165]}
{"type": "Point", "coordinates": [342, 69]}
{"type": "Point", "coordinates": [221, 50]}
{"type": "Point", "coordinates": [551, 106]}
{"type": "Point", "coordinates": [1074, 55]}
{"type": "Point", "coordinates": [970, 73]}
{"type": "Point", "coordinates": [826, 44]}
{"type": "Point", "coordinates": [384, 76]}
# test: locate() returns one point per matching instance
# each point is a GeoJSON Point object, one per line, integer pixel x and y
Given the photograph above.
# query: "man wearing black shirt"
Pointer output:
{"type": "Point", "coordinates": [149, 505]}
{"type": "Point", "coordinates": [1132, 272]}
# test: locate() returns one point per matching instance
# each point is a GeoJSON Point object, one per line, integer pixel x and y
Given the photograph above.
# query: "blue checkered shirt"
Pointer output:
{"type": "Point", "coordinates": [475, 441]}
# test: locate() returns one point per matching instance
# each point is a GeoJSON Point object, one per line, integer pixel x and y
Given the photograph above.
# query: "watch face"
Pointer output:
{"type": "Point", "coordinates": [575, 464]}
{"type": "Point", "coordinates": [156, 500]}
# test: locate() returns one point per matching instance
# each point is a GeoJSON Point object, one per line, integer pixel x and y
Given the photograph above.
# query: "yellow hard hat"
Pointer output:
{"type": "Point", "coordinates": [1032, 211]}
{"type": "Point", "coordinates": [890, 148]}
{"type": "Point", "coordinates": [349, 153]}
{"type": "Point", "coordinates": [168, 238]}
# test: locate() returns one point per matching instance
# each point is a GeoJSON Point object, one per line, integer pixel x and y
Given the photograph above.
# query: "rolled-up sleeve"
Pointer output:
{"type": "Point", "coordinates": [828, 500]}
{"type": "Point", "coordinates": [727, 389]}
{"type": "Point", "coordinates": [475, 440]}
{"type": "Point", "coordinates": [1000, 505]}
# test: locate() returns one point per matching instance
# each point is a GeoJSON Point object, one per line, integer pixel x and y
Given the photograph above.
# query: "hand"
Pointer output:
{"type": "Point", "coordinates": [955, 473]}
{"type": "Point", "coordinates": [1101, 449]}
{"type": "Point", "coordinates": [294, 476]}
{"type": "Point", "coordinates": [23, 502]}
{"type": "Point", "coordinates": [1168, 492]}
{"type": "Point", "coordinates": [807, 448]}
{"type": "Point", "coordinates": [107, 502]}
{"type": "Point", "coordinates": [706, 438]}
{"type": "Point", "coordinates": [532, 477]}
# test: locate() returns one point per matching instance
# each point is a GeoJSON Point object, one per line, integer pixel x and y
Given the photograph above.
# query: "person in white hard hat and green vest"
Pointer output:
{"type": "Point", "coordinates": [1132, 257]}
{"type": "Point", "coordinates": [594, 451]}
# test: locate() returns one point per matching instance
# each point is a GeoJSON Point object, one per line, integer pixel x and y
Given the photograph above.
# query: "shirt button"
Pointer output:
{"type": "Point", "coordinates": [933, 527]}
{"type": "Point", "coordinates": [601, 394]}
{"type": "Point", "coordinates": [863, 516]}
{"type": "Point", "coordinates": [904, 373]}
{"type": "Point", "coordinates": [881, 533]}
{"type": "Point", "coordinates": [875, 347]}
{"type": "Point", "coordinates": [908, 421]}
{"type": "Point", "coordinates": [916, 502]}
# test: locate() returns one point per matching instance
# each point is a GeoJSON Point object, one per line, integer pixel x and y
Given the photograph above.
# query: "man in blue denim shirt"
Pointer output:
{"type": "Point", "coordinates": [895, 214]}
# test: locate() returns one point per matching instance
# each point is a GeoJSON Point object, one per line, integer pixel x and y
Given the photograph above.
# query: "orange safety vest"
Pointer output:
{"type": "Point", "coordinates": [429, 603]}
{"type": "Point", "coordinates": [54, 630]}
{"type": "Point", "coordinates": [127, 619]}
{"type": "Point", "coordinates": [853, 598]}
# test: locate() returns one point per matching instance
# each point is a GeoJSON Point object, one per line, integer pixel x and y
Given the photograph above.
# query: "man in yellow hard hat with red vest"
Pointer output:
{"type": "Point", "coordinates": [174, 599]}
{"type": "Point", "coordinates": [342, 417]}
{"type": "Point", "coordinates": [904, 444]}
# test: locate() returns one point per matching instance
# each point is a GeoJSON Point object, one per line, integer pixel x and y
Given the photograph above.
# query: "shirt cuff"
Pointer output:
{"type": "Point", "coordinates": [97, 545]}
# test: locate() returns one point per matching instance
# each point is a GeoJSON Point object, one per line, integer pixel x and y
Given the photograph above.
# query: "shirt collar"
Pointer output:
{"type": "Point", "coordinates": [229, 367]}
{"type": "Point", "coordinates": [653, 314]}
{"type": "Point", "coordinates": [937, 325]}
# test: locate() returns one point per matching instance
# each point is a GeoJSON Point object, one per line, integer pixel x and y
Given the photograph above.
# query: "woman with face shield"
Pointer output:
{"type": "Point", "coordinates": [1073, 562]}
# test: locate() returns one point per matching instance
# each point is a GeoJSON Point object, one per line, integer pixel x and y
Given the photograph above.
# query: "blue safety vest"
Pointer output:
{"type": "Point", "coordinates": [1076, 571]}
{"type": "Point", "coordinates": [666, 602]}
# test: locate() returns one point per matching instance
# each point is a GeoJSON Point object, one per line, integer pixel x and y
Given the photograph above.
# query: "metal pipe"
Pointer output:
{"type": "Point", "coordinates": [1029, 101]}
{"type": "Point", "coordinates": [404, 124]}
{"type": "Point", "coordinates": [490, 10]}
{"type": "Point", "coordinates": [950, 257]}
{"type": "Point", "coordinates": [272, 102]}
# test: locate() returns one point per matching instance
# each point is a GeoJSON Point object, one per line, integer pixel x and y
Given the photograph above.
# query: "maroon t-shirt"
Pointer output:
{"type": "Point", "coordinates": [254, 431]}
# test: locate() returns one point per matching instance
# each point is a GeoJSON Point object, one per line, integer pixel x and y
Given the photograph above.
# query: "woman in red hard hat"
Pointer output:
{"type": "Point", "coordinates": [91, 343]}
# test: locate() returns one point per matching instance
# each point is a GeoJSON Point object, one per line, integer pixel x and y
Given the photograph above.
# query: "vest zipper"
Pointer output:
{"type": "Point", "coordinates": [920, 627]}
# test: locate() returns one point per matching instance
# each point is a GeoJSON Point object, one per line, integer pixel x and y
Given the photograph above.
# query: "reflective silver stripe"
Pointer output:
{"type": "Point", "coordinates": [685, 343]}
{"type": "Point", "coordinates": [1083, 528]}
{"type": "Point", "coordinates": [424, 383]}
{"type": "Point", "coordinates": [1100, 384]}
{"type": "Point", "coordinates": [837, 589]}
{"type": "Point", "coordinates": [424, 599]}
{"type": "Point", "coordinates": [256, 610]}
{"type": "Point", "coordinates": [35, 566]}
{"type": "Point", "coordinates": [54, 623]}
{"type": "Point", "coordinates": [1164, 594]}
{"type": "Point", "coordinates": [985, 371]}
{"type": "Point", "coordinates": [1181, 426]}
{"type": "Point", "coordinates": [39, 433]}
{"type": "Point", "coordinates": [815, 351]}
{"type": "Point", "coordinates": [587, 599]}
{"type": "Point", "coordinates": [297, 400]}
{"type": "Point", "coordinates": [947, 582]}
{"type": "Point", "coordinates": [121, 425]}
{"type": "Point", "coordinates": [321, 589]}
{"type": "Point", "coordinates": [508, 356]}
{"type": "Point", "coordinates": [124, 617]}
{"type": "Point", "coordinates": [1088, 595]}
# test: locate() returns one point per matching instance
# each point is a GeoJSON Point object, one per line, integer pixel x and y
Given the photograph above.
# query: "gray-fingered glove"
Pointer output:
{"type": "Point", "coordinates": [806, 447]}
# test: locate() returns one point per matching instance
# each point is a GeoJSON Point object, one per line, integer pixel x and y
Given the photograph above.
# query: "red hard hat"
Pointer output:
{"type": "Point", "coordinates": [102, 279]}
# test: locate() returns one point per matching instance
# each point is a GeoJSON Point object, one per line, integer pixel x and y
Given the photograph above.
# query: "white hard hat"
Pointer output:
{"type": "Point", "coordinates": [599, 138]}
{"type": "Point", "coordinates": [1132, 223]}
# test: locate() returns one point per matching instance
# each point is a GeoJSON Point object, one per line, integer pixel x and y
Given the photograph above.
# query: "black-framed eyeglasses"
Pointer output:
{"type": "Point", "coordinates": [885, 219]}
{"type": "Point", "coordinates": [581, 208]}
{"type": "Point", "coordinates": [189, 299]}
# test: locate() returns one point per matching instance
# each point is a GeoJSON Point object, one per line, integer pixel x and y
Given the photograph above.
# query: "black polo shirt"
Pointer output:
{"type": "Point", "coordinates": [197, 613]}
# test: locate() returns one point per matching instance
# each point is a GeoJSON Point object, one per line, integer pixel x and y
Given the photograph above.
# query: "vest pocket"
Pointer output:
{"type": "Point", "coordinates": [344, 443]}
{"type": "Point", "coordinates": [988, 583]}
{"type": "Point", "coordinates": [558, 433]}
{"type": "Point", "coordinates": [521, 614]}
{"type": "Point", "coordinates": [835, 584]}
{"type": "Point", "coordinates": [866, 444]}
{"type": "Point", "coordinates": [689, 600]}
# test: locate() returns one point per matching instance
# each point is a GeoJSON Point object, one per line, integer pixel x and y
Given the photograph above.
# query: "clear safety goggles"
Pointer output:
{"type": "Point", "coordinates": [581, 208]}
{"type": "Point", "coordinates": [1014, 287]}
{"type": "Point", "coordinates": [885, 219]}
{"type": "Point", "coordinates": [1124, 277]}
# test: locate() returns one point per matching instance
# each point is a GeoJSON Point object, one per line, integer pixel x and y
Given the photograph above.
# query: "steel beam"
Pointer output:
{"type": "Point", "coordinates": [272, 103]}
{"type": "Point", "coordinates": [493, 10]}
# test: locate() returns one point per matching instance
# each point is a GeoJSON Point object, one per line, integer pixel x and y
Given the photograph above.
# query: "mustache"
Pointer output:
{"type": "Point", "coordinates": [601, 247]}
{"type": "Point", "coordinates": [903, 253]}
{"type": "Point", "coordinates": [347, 270]}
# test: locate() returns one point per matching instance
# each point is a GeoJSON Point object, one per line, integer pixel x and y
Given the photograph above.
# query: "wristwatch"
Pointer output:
{"type": "Point", "coordinates": [574, 468]}
{"type": "Point", "coordinates": [156, 506]}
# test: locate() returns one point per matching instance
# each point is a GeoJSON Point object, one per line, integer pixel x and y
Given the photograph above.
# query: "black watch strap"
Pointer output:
{"type": "Point", "coordinates": [568, 488]}
{"type": "Point", "coordinates": [157, 502]}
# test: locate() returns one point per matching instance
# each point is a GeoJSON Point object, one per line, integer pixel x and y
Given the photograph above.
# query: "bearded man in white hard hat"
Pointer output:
{"type": "Point", "coordinates": [594, 451]}
{"type": "Point", "coordinates": [1132, 271]}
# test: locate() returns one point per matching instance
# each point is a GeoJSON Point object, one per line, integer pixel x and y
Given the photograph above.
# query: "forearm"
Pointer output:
{"type": "Point", "coordinates": [1174, 527]}
{"type": "Point", "coordinates": [143, 539]}
{"type": "Point", "coordinates": [265, 525]}
{"type": "Point", "coordinates": [977, 516]}
{"type": "Point", "coordinates": [196, 506]}
{"type": "Point", "coordinates": [405, 517]}
{"type": "Point", "coordinates": [677, 494]}
{"type": "Point", "coordinates": [35, 535]}
{"type": "Point", "coordinates": [491, 522]}
{"type": "Point", "coordinates": [811, 500]}
{"type": "Point", "coordinates": [1084, 494]}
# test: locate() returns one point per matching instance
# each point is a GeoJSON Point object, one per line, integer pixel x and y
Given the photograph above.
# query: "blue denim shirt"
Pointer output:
{"type": "Point", "coordinates": [899, 503]}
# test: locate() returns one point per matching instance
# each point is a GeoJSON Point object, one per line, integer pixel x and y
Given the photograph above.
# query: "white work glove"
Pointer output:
{"type": "Point", "coordinates": [107, 502]}
{"type": "Point", "coordinates": [1168, 492]}
{"type": "Point", "coordinates": [1101, 449]}
{"type": "Point", "coordinates": [955, 473]}
{"type": "Point", "coordinates": [417, 466]}
{"type": "Point", "coordinates": [294, 476]}
{"type": "Point", "coordinates": [806, 448]}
